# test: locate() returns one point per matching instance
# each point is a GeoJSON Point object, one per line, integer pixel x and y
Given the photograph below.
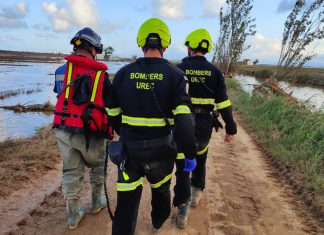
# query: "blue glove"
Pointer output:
{"type": "Point", "coordinates": [190, 164]}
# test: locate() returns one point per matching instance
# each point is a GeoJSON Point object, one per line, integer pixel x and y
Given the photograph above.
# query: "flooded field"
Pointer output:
{"type": "Point", "coordinates": [311, 95]}
{"type": "Point", "coordinates": [28, 83]}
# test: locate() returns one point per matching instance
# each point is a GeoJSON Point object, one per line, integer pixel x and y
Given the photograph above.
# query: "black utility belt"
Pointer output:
{"type": "Point", "coordinates": [201, 110]}
{"type": "Point", "coordinates": [151, 143]}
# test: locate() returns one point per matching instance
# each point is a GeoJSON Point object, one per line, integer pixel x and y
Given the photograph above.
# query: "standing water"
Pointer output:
{"type": "Point", "coordinates": [29, 83]}
{"type": "Point", "coordinates": [311, 95]}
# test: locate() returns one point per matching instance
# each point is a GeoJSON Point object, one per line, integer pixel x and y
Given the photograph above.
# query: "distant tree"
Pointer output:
{"type": "Point", "coordinates": [235, 25]}
{"type": "Point", "coordinates": [108, 52]}
{"type": "Point", "coordinates": [221, 55]}
{"type": "Point", "coordinates": [304, 28]}
{"type": "Point", "coordinates": [256, 61]}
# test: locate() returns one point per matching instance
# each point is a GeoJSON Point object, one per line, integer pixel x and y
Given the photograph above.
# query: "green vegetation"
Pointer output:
{"type": "Point", "coordinates": [258, 73]}
{"type": "Point", "coordinates": [289, 131]}
{"type": "Point", "coordinates": [310, 76]}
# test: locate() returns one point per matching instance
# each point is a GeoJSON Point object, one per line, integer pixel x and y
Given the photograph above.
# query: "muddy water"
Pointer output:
{"type": "Point", "coordinates": [313, 96]}
{"type": "Point", "coordinates": [34, 83]}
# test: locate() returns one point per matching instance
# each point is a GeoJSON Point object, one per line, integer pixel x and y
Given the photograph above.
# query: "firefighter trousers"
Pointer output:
{"type": "Point", "coordinates": [156, 164]}
{"type": "Point", "coordinates": [203, 131]}
{"type": "Point", "coordinates": [182, 190]}
{"type": "Point", "coordinates": [182, 187]}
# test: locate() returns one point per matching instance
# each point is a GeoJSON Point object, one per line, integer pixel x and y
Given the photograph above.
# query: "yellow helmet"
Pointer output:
{"type": "Point", "coordinates": [154, 32]}
{"type": "Point", "coordinates": [199, 39]}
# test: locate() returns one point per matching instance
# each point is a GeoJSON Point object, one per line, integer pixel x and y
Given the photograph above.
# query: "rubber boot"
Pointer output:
{"type": "Point", "coordinates": [196, 195]}
{"type": "Point", "coordinates": [98, 202]}
{"type": "Point", "coordinates": [75, 213]}
{"type": "Point", "coordinates": [183, 214]}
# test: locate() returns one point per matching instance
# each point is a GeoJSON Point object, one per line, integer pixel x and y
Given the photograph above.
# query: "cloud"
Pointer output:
{"type": "Point", "coordinates": [172, 9]}
{"type": "Point", "coordinates": [141, 8]}
{"type": "Point", "coordinates": [285, 5]}
{"type": "Point", "coordinates": [13, 17]}
{"type": "Point", "coordinates": [318, 62]}
{"type": "Point", "coordinates": [268, 50]}
{"type": "Point", "coordinates": [320, 47]}
{"type": "Point", "coordinates": [262, 48]}
{"type": "Point", "coordinates": [84, 13]}
{"type": "Point", "coordinates": [8, 38]}
{"type": "Point", "coordinates": [110, 26]}
{"type": "Point", "coordinates": [41, 27]}
{"type": "Point", "coordinates": [60, 18]}
{"type": "Point", "coordinates": [46, 36]}
{"type": "Point", "coordinates": [22, 7]}
{"type": "Point", "coordinates": [212, 7]}
{"type": "Point", "coordinates": [80, 13]}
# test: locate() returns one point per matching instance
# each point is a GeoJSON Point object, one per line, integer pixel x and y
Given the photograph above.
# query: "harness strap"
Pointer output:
{"type": "Point", "coordinates": [68, 115]}
{"type": "Point", "coordinates": [111, 215]}
{"type": "Point", "coordinates": [67, 92]}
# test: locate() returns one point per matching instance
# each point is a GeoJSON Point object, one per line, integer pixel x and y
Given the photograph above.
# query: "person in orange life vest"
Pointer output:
{"type": "Point", "coordinates": [207, 89]}
{"type": "Point", "coordinates": [147, 101]}
{"type": "Point", "coordinates": [81, 123]}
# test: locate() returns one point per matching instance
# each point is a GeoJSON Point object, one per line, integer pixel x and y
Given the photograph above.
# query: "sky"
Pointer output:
{"type": "Point", "coordinates": [48, 26]}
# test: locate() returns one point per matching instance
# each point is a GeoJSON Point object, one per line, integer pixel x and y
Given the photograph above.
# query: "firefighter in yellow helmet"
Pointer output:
{"type": "Point", "coordinates": [207, 90]}
{"type": "Point", "coordinates": [148, 101]}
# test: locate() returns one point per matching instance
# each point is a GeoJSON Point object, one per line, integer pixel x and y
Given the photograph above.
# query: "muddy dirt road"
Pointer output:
{"type": "Point", "coordinates": [242, 196]}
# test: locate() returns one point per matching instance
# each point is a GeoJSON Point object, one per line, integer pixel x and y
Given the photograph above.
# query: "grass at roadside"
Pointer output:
{"type": "Point", "coordinates": [290, 132]}
{"type": "Point", "coordinates": [26, 159]}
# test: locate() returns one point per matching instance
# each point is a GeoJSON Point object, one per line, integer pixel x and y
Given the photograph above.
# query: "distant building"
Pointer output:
{"type": "Point", "coordinates": [247, 62]}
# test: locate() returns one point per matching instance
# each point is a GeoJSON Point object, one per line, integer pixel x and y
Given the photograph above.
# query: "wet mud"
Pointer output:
{"type": "Point", "coordinates": [244, 194]}
{"type": "Point", "coordinates": [46, 107]}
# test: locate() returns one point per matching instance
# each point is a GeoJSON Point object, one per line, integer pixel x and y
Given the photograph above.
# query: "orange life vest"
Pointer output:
{"type": "Point", "coordinates": [89, 116]}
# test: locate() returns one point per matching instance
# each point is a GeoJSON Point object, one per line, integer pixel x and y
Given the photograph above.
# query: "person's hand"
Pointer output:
{"type": "Point", "coordinates": [228, 138]}
{"type": "Point", "coordinates": [190, 164]}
